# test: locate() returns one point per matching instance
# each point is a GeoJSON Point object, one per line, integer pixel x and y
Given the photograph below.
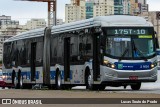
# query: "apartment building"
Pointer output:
{"type": "Point", "coordinates": [126, 7]}
{"type": "Point", "coordinates": [34, 24]}
{"type": "Point", "coordinates": [74, 11]}
{"type": "Point", "coordinates": [143, 6]}
{"type": "Point", "coordinates": [118, 7]}
{"type": "Point", "coordinates": [6, 20]}
{"type": "Point", "coordinates": [89, 9]}
{"type": "Point", "coordinates": [59, 21]}
{"type": "Point", "coordinates": [103, 8]}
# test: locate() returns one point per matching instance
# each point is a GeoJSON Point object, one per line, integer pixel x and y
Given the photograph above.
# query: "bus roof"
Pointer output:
{"type": "Point", "coordinates": [28, 34]}
{"type": "Point", "coordinates": [103, 21]}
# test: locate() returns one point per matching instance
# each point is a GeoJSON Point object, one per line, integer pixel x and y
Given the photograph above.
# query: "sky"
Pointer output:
{"type": "Point", "coordinates": [25, 10]}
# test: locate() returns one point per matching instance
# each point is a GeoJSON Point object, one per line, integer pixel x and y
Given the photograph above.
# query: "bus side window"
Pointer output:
{"type": "Point", "coordinates": [6, 60]}
{"type": "Point", "coordinates": [54, 44]}
{"type": "Point", "coordinates": [89, 45]}
{"type": "Point", "coordinates": [74, 48]}
{"type": "Point", "coordinates": [39, 53]}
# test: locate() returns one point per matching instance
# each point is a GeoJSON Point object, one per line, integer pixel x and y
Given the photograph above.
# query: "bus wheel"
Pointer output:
{"type": "Point", "coordinates": [101, 87]}
{"type": "Point", "coordinates": [14, 82]}
{"type": "Point", "coordinates": [136, 86]}
{"type": "Point", "coordinates": [58, 81]}
{"type": "Point", "coordinates": [20, 81]}
{"type": "Point", "coordinates": [90, 86]}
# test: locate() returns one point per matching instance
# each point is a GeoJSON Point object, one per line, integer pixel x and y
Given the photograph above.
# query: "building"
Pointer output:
{"type": "Point", "coordinates": [89, 9]}
{"type": "Point", "coordinates": [11, 29]}
{"type": "Point", "coordinates": [143, 7]}
{"type": "Point", "coordinates": [103, 8]}
{"type": "Point", "coordinates": [2, 39]}
{"type": "Point", "coordinates": [34, 24]}
{"type": "Point", "coordinates": [152, 17]}
{"type": "Point", "coordinates": [6, 20]}
{"type": "Point", "coordinates": [59, 21]}
{"type": "Point", "coordinates": [126, 7]}
{"type": "Point", "coordinates": [134, 10]}
{"type": "Point", "coordinates": [145, 15]}
{"type": "Point", "coordinates": [74, 11]}
{"type": "Point", "coordinates": [118, 7]}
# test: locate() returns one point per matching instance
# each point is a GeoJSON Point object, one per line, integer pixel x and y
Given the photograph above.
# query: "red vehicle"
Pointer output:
{"type": "Point", "coordinates": [3, 84]}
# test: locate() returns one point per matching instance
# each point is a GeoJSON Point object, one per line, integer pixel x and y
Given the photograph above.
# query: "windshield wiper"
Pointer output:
{"type": "Point", "coordinates": [124, 53]}
{"type": "Point", "coordinates": [141, 54]}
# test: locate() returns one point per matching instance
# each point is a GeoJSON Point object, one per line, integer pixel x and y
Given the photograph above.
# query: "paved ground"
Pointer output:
{"type": "Point", "coordinates": [75, 94]}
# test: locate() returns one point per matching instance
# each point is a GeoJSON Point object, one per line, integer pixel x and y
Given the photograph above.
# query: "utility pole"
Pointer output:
{"type": "Point", "coordinates": [51, 10]}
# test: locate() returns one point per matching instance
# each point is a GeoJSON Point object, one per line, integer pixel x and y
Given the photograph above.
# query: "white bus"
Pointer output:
{"type": "Point", "coordinates": [98, 52]}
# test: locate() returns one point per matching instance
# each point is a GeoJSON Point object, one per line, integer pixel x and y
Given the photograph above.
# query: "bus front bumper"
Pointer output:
{"type": "Point", "coordinates": [113, 75]}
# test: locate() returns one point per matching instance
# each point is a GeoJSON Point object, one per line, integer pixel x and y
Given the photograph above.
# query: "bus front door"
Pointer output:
{"type": "Point", "coordinates": [66, 59]}
{"type": "Point", "coordinates": [33, 61]}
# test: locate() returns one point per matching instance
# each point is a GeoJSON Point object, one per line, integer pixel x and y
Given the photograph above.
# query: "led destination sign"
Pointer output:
{"type": "Point", "coordinates": [127, 31]}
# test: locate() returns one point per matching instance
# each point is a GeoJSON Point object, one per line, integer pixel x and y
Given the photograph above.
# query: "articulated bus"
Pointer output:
{"type": "Point", "coordinates": [103, 51]}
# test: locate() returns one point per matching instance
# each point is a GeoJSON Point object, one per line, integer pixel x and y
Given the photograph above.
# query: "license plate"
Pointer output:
{"type": "Point", "coordinates": [133, 77]}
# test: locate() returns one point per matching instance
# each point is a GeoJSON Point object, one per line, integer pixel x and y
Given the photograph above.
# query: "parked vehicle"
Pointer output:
{"type": "Point", "coordinates": [2, 83]}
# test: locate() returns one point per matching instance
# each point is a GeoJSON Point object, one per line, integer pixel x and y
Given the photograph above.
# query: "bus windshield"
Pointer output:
{"type": "Point", "coordinates": [129, 43]}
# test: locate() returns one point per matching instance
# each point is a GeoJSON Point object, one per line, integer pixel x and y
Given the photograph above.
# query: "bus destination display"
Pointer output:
{"type": "Point", "coordinates": [125, 31]}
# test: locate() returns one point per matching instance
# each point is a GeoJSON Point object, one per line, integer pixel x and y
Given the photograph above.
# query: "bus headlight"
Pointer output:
{"type": "Point", "coordinates": [108, 64]}
{"type": "Point", "coordinates": [113, 66]}
{"type": "Point", "coordinates": [152, 66]}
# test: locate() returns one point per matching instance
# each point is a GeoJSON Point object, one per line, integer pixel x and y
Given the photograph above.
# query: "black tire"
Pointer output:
{"type": "Point", "coordinates": [66, 87]}
{"type": "Point", "coordinates": [58, 81]}
{"type": "Point", "coordinates": [89, 85]}
{"type": "Point", "coordinates": [136, 86]}
{"type": "Point", "coordinates": [101, 87]}
{"type": "Point", "coordinates": [13, 78]}
{"type": "Point", "coordinates": [20, 81]}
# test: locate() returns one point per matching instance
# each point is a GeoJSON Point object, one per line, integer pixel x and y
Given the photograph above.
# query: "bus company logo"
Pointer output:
{"type": "Point", "coordinates": [120, 66]}
{"type": "Point", "coordinates": [6, 101]}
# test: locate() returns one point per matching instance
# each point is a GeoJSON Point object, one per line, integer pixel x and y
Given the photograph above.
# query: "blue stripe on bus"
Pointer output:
{"type": "Point", "coordinates": [27, 74]}
{"type": "Point", "coordinates": [53, 75]}
{"type": "Point", "coordinates": [133, 66]}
